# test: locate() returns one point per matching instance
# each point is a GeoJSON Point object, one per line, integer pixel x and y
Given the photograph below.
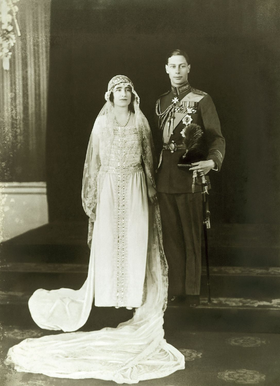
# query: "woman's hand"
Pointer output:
{"type": "Point", "coordinates": [203, 166]}
{"type": "Point", "coordinates": [152, 194]}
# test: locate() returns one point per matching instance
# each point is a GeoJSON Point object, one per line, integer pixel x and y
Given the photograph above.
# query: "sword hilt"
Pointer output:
{"type": "Point", "coordinates": [194, 177]}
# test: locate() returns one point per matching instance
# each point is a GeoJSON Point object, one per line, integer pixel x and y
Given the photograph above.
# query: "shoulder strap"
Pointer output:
{"type": "Point", "coordinates": [190, 97]}
{"type": "Point", "coordinates": [193, 96]}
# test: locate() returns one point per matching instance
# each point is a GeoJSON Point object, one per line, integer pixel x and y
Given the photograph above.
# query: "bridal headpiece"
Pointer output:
{"type": "Point", "coordinates": [120, 79]}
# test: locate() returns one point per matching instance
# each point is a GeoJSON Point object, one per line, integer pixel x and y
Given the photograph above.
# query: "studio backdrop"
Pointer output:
{"type": "Point", "coordinates": [235, 55]}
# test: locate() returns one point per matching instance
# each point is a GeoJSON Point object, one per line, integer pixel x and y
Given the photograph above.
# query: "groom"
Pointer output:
{"type": "Point", "coordinates": [179, 193]}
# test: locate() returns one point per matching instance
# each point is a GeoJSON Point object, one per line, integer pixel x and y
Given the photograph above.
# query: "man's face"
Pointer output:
{"type": "Point", "coordinates": [178, 70]}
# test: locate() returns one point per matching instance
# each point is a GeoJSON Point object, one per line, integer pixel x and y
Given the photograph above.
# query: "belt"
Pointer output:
{"type": "Point", "coordinates": [173, 146]}
{"type": "Point", "coordinates": [121, 169]}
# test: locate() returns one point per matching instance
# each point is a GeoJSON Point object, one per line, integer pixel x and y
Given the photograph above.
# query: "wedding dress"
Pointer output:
{"type": "Point", "coordinates": [127, 268]}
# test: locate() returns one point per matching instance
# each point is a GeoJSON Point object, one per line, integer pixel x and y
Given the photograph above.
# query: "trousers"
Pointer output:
{"type": "Point", "coordinates": [182, 228]}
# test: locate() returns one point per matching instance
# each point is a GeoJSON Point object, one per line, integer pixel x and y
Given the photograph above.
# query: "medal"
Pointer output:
{"type": "Point", "coordinates": [184, 107]}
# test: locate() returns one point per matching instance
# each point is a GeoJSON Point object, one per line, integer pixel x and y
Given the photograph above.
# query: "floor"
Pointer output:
{"type": "Point", "coordinates": [234, 340]}
{"type": "Point", "coordinates": [212, 358]}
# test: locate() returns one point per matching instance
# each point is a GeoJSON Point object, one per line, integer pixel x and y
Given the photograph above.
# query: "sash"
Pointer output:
{"type": "Point", "coordinates": [170, 126]}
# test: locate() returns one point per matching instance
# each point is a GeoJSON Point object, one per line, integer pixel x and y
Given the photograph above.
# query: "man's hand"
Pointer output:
{"type": "Point", "coordinates": [203, 166]}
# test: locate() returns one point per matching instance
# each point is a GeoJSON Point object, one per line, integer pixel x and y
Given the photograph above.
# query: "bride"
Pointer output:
{"type": "Point", "coordinates": [127, 266]}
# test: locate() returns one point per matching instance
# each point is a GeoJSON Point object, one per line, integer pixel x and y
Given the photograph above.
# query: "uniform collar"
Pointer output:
{"type": "Point", "coordinates": [179, 90]}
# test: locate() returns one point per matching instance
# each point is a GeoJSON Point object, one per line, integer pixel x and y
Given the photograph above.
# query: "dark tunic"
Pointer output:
{"type": "Point", "coordinates": [170, 178]}
{"type": "Point", "coordinates": [181, 210]}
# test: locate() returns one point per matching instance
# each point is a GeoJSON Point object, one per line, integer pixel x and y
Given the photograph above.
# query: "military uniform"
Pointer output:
{"type": "Point", "coordinates": [179, 198]}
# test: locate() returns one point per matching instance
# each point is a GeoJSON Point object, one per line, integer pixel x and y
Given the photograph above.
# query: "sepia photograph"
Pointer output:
{"type": "Point", "coordinates": [139, 192]}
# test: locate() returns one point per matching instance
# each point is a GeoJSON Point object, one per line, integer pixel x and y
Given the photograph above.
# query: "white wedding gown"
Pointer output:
{"type": "Point", "coordinates": [127, 268]}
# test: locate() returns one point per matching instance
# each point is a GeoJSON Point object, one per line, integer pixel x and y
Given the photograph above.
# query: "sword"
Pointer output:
{"type": "Point", "coordinates": [206, 225]}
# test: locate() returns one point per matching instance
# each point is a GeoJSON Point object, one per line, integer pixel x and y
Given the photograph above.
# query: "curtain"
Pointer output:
{"type": "Point", "coordinates": [23, 96]}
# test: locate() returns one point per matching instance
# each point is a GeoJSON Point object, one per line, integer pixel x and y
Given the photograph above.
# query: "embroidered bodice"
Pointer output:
{"type": "Point", "coordinates": [119, 148]}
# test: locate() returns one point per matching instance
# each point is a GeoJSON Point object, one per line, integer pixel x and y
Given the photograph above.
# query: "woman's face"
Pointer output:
{"type": "Point", "coordinates": [122, 95]}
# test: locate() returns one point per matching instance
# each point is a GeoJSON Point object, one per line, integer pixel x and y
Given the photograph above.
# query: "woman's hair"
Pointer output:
{"type": "Point", "coordinates": [178, 51]}
{"type": "Point", "coordinates": [130, 106]}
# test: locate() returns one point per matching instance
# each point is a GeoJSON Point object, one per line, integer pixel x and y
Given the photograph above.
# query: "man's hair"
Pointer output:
{"type": "Point", "coordinates": [178, 51]}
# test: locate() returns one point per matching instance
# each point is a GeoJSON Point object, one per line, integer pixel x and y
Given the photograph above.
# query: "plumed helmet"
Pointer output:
{"type": "Point", "coordinates": [195, 142]}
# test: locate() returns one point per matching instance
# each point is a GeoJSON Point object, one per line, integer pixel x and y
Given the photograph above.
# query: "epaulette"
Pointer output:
{"type": "Point", "coordinates": [158, 105]}
{"type": "Point", "coordinates": [162, 95]}
{"type": "Point", "coordinates": [199, 92]}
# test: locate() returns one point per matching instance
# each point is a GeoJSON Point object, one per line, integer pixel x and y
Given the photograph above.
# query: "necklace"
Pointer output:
{"type": "Point", "coordinates": [128, 118]}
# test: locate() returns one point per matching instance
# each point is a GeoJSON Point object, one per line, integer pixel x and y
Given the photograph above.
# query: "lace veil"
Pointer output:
{"type": "Point", "coordinates": [106, 118]}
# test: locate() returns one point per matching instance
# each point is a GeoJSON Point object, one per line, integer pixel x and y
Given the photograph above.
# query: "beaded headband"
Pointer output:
{"type": "Point", "coordinates": [116, 80]}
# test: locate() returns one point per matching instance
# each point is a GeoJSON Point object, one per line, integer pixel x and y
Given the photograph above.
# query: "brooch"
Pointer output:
{"type": "Point", "coordinates": [187, 120]}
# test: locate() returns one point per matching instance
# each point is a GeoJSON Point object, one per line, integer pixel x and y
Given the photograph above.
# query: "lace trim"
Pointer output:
{"type": "Point", "coordinates": [90, 192]}
{"type": "Point", "coordinates": [163, 260]}
{"type": "Point", "coordinates": [147, 157]}
{"type": "Point", "coordinates": [120, 238]}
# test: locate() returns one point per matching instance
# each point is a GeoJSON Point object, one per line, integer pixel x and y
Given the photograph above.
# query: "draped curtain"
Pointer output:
{"type": "Point", "coordinates": [23, 96]}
